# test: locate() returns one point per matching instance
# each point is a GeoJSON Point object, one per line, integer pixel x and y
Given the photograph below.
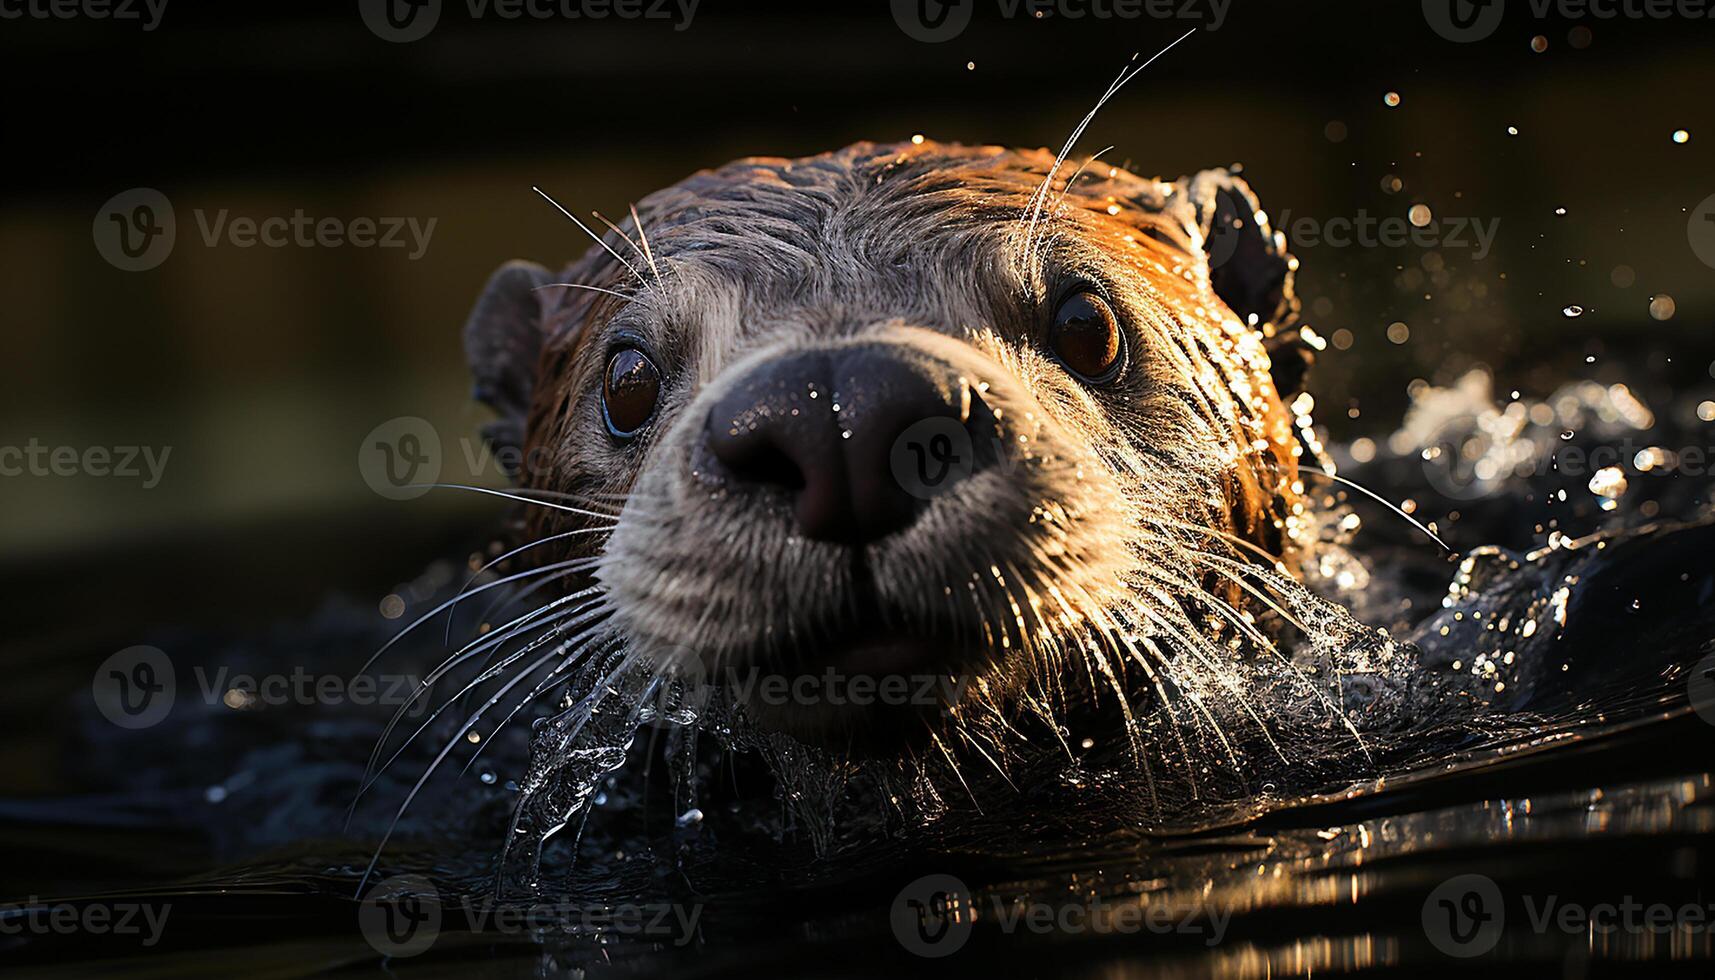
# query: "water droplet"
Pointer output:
{"type": "Point", "coordinates": [1567, 435]}
{"type": "Point", "coordinates": [1662, 307]}
{"type": "Point", "coordinates": [1572, 311]}
{"type": "Point", "coordinates": [1420, 215]}
{"type": "Point", "coordinates": [1512, 130]}
{"type": "Point", "coordinates": [690, 818]}
{"type": "Point", "coordinates": [1681, 136]}
{"type": "Point", "coordinates": [1391, 99]}
{"type": "Point", "coordinates": [488, 778]}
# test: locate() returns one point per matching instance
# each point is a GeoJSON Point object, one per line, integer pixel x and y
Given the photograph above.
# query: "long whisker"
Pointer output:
{"type": "Point", "coordinates": [511, 554]}
{"type": "Point", "coordinates": [1041, 196]}
{"type": "Point", "coordinates": [510, 495]}
{"type": "Point", "coordinates": [1378, 498]}
{"type": "Point", "coordinates": [595, 237]}
{"type": "Point", "coordinates": [443, 607]}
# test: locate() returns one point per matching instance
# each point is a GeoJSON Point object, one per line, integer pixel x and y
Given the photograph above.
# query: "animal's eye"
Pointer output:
{"type": "Point", "coordinates": [1086, 337]}
{"type": "Point", "coordinates": [629, 391]}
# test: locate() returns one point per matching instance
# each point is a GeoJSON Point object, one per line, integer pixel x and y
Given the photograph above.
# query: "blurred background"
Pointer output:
{"type": "Point", "coordinates": [253, 374]}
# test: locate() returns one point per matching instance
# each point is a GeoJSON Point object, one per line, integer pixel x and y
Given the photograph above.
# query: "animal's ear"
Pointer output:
{"type": "Point", "coordinates": [503, 343]}
{"type": "Point", "coordinates": [1250, 268]}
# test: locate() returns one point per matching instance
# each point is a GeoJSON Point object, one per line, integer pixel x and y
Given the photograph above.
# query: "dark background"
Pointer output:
{"type": "Point", "coordinates": [264, 368]}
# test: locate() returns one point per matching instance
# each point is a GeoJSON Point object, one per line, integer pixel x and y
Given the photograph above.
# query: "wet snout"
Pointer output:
{"type": "Point", "coordinates": [829, 428]}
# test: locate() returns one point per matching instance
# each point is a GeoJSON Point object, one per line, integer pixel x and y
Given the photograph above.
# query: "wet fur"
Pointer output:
{"type": "Point", "coordinates": [1091, 564]}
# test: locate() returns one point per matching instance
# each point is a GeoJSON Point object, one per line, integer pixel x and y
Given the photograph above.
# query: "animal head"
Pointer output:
{"type": "Point", "coordinates": [905, 410]}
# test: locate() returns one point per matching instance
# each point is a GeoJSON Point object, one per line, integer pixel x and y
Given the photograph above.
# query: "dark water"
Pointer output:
{"type": "Point", "coordinates": [1546, 737]}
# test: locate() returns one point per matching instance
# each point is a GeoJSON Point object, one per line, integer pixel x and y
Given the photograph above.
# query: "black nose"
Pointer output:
{"type": "Point", "coordinates": [826, 427]}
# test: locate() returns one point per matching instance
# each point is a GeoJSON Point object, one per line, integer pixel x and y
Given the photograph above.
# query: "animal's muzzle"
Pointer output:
{"type": "Point", "coordinates": [843, 431]}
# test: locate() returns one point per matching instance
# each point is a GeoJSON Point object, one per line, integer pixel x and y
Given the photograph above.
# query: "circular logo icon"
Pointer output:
{"type": "Point", "coordinates": [401, 916]}
{"type": "Point", "coordinates": [400, 21]}
{"type": "Point", "coordinates": [134, 231]}
{"type": "Point", "coordinates": [1464, 916]}
{"type": "Point", "coordinates": [401, 458]}
{"type": "Point", "coordinates": [933, 916]}
{"type": "Point", "coordinates": [1456, 460]}
{"type": "Point", "coordinates": [932, 456]}
{"type": "Point", "coordinates": [135, 687]}
{"type": "Point", "coordinates": [933, 21]}
{"type": "Point", "coordinates": [1701, 231]}
{"type": "Point", "coordinates": [1464, 20]}
{"type": "Point", "coordinates": [1702, 688]}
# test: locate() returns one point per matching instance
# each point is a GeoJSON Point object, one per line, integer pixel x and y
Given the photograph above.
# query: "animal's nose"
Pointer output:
{"type": "Point", "coordinates": [860, 437]}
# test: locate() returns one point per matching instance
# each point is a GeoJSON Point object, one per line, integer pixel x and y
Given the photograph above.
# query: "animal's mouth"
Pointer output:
{"type": "Point", "coordinates": [874, 679]}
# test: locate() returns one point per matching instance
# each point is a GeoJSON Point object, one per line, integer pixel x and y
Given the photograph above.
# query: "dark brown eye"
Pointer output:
{"type": "Point", "coordinates": [1086, 337]}
{"type": "Point", "coordinates": [629, 392]}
